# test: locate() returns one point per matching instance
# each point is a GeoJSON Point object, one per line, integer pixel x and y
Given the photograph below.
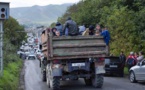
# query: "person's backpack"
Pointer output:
{"type": "Point", "coordinates": [131, 61]}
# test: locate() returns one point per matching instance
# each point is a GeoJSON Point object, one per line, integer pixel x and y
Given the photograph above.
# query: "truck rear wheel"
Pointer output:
{"type": "Point", "coordinates": [55, 83]}
{"type": "Point", "coordinates": [88, 82]}
{"type": "Point", "coordinates": [97, 81]}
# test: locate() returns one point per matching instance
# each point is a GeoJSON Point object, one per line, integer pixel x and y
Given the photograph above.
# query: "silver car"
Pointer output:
{"type": "Point", "coordinates": [137, 73]}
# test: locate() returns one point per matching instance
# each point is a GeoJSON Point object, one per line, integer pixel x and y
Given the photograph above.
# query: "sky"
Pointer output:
{"type": "Point", "coordinates": [26, 3]}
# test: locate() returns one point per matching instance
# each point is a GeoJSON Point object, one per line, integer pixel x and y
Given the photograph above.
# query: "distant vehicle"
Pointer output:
{"type": "Point", "coordinates": [31, 57]}
{"type": "Point", "coordinates": [32, 51]}
{"type": "Point", "coordinates": [38, 51]}
{"type": "Point", "coordinates": [137, 73]}
{"type": "Point", "coordinates": [27, 53]}
{"type": "Point", "coordinates": [20, 52]}
{"type": "Point", "coordinates": [113, 65]}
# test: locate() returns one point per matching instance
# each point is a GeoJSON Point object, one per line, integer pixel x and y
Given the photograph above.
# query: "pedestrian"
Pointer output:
{"type": "Point", "coordinates": [136, 55]}
{"type": "Point", "coordinates": [122, 58]}
{"type": "Point", "coordinates": [72, 27]}
{"type": "Point", "coordinates": [131, 60]}
{"type": "Point", "coordinates": [82, 28]}
{"type": "Point", "coordinates": [59, 28]}
{"type": "Point", "coordinates": [141, 57]}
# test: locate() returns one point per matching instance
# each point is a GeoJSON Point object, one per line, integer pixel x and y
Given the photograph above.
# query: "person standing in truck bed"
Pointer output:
{"type": "Point", "coordinates": [71, 26]}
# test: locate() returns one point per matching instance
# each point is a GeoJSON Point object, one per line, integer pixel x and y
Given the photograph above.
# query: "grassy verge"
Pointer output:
{"type": "Point", "coordinates": [126, 71]}
{"type": "Point", "coordinates": [10, 79]}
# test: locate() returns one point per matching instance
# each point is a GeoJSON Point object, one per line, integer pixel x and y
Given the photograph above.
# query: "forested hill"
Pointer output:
{"type": "Point", "coordinates": [124, 19]}
{"type": "Point", "coordinates": [43, 15]}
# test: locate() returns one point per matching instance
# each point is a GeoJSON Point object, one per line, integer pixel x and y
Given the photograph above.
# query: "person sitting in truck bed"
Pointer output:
{"type": "Point", "coordinates": [57, 33]}
{"type": "Point", "coordinates": [72, 27]}
{"type": "Point", "coordinates": [89, 31]}
{"type": "Point", "coordinates": [105, 33]}
{"type": "Point", "coordinates": [54, 31]}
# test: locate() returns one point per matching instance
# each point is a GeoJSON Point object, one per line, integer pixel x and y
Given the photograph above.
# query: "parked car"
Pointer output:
{"type": "Point", "coordinates": [113, 65]}
{"type": "Point", "coordinates": [137, 73]}
{"type": "Point", "coordinates": [31, 57]}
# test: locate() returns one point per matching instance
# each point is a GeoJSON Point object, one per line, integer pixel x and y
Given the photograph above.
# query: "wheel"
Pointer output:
{"type": "Point", "coordinates": [88, 82]}
{"type": "Point", "coordinates": [55, 83]}
{"type": "Point", "coordinates": [97, 81]}
{"type": "Point", "coordinates": [132, 77]}
{"type": "Point", "coordinates": [44, 76]}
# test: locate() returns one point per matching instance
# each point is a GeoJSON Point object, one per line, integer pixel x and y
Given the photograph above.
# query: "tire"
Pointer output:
{"type": "Point", "coordinates": [132, 77]}
{"type": "Point", "coordinates": [97, 81]}
{"type": "Point", "coordinates": [44, 76]}
{"type": "Point", "coordinates": [55, 83]}
{"type": "Point", "coordinates": [88, 82]}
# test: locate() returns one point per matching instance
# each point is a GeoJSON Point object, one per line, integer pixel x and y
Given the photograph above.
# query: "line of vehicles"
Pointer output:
{"type": "Point", "coordinates": [71, 58]}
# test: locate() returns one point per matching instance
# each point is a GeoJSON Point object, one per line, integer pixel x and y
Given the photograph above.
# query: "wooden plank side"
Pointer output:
{"type": "Point", "coordinates": [68, 51]}
{"type": "Point", "coordinates": [77, 57]}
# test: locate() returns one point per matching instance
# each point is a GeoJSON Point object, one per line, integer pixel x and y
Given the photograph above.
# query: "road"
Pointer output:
{"type": "Point", "coordinates": [33, 81]}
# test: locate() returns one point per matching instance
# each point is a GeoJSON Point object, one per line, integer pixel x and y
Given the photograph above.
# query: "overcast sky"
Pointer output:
{"type": "Point", "coordinates": [24, 3]}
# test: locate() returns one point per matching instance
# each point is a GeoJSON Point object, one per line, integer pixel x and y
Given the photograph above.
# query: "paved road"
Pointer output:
{"type": "Point", "coordinates": [33, 81]}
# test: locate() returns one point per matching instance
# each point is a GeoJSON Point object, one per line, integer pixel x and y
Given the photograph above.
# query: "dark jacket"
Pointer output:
{"type": "Point", "coordinates": [106, 36]}
{"type": "Point", "coordinates": [72, 27]}
{"type": "Point", "coordinates": [122, 58]}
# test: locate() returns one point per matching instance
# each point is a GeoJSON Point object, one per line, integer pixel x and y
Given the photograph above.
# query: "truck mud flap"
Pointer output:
{"type": "Point", "coordinates": [57, 72]}
{"type": "Point", "coordinates": [99, 70]}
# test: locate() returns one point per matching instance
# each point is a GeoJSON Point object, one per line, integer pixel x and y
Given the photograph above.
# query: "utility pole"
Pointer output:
{"type": "Point", "coordinates": [4, 14]}
{"type": "Point", "coordinates": [1, 47]}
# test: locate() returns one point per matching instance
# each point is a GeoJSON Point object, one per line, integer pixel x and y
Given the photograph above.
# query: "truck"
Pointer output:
{"type": "Point", "coordinates": [71, 58]}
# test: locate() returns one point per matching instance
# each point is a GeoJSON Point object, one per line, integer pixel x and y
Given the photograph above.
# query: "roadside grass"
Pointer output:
{"type": "Point", "coordinates": [126, 71]}
{"type": "Point", "coordinates": [10, 78]}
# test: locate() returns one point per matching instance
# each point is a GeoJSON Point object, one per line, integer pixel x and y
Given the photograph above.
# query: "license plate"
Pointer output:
{"type": "Point", "coordinates": [115, 66]}
{"type": "Point", "coordinates": [78, 64]}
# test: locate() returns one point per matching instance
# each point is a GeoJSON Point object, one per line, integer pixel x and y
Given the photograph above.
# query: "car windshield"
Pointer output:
{"type": "Point", "coordinates": [31, 58]}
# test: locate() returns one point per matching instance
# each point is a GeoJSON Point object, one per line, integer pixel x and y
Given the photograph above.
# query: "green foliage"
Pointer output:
{"type": "Point", "coordinates": [124, 19]}
{"type": "Point", "coordinates": [10, 79]}
{"type": "Point", "coordinates": [13, 31]}
{"type": "Point", "coordinates": [12, 63]}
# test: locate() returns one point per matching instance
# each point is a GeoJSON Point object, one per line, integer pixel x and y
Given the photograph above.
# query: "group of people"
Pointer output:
{"type": "Point", "coordinates": [70, 28]}
{"type": "Point", "coordinates": [132, 59]}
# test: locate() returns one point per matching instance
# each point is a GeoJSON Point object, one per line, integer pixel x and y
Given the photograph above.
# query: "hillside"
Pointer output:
{"type": "Point", "coordinates": [43, 15]}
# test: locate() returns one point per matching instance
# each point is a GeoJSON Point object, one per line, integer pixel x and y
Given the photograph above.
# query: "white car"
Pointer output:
{"type": "Point", "coordinates": [31, 57]}
{"type": "Point", "coordinates": [137, 73]}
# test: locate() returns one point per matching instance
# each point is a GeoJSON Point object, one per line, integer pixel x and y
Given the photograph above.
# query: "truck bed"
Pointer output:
{"type": "Point", "coordinates": [72, 47]}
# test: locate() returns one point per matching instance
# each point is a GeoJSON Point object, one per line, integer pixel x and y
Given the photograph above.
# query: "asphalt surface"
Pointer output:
{"type": "Point", "coordinates": [33, 81]}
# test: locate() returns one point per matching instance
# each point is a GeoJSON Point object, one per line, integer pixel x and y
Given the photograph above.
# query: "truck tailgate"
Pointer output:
{"type": "Point", "coordinates": [69, 47]}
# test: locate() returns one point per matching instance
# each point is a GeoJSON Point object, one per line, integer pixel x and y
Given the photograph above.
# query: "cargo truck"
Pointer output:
{"type": "Point", "coordinates": [71, 58]}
